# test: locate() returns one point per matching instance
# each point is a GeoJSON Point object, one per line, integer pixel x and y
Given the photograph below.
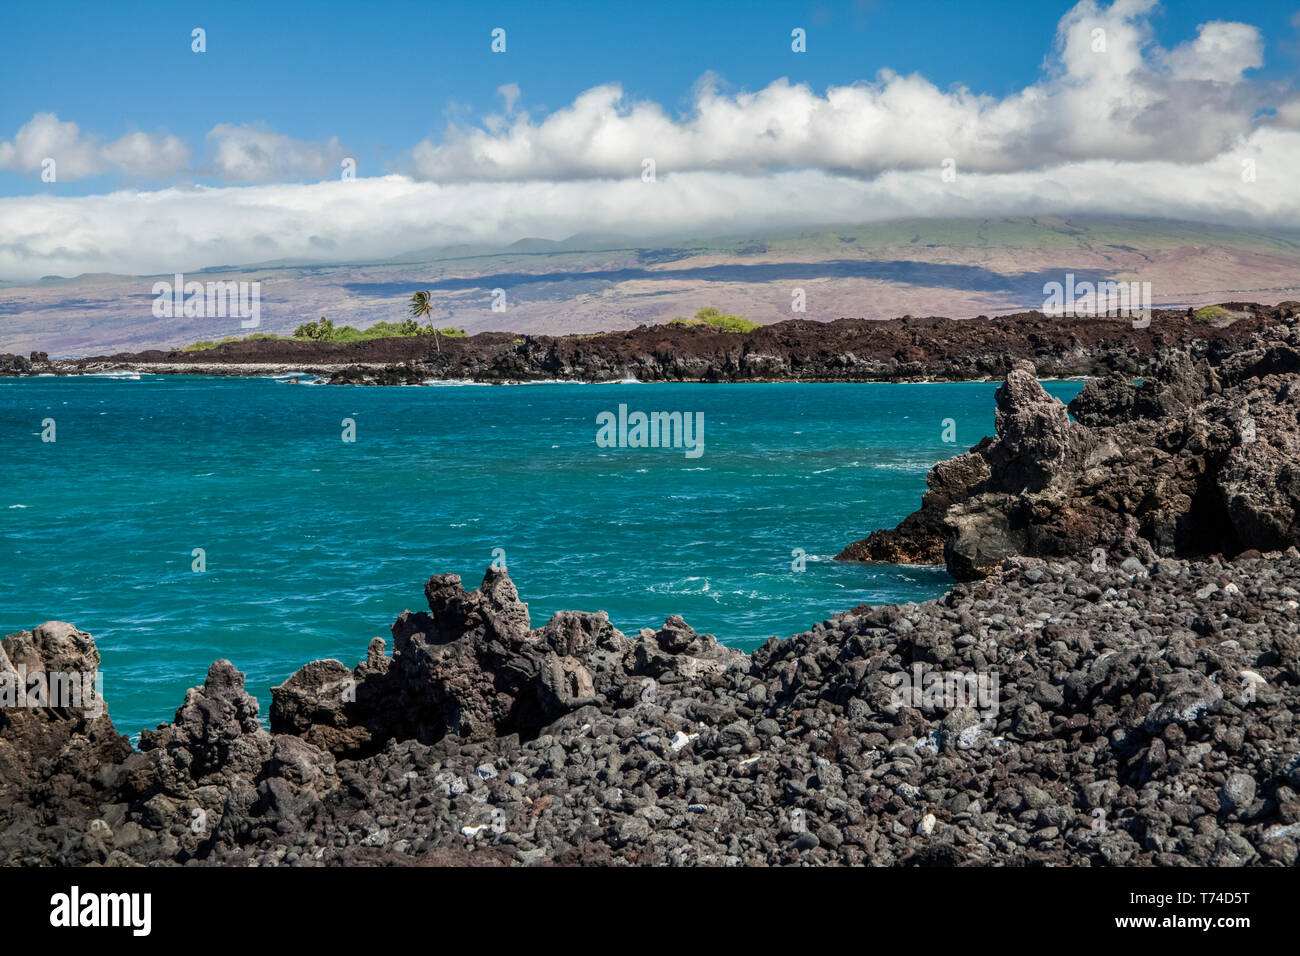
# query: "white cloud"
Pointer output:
{"type": "Point", "coordinates": [78, 155]}
{"type": "Point", "coordinates": [186, 229]}
{"type": "Point", "coordinates": [253, 154]}
{"type": "Point", "coordinates": [1220, 53]}
{"type": "Point", "coordinates": [239, 154]}
{"type": "Point", "coordinates": [1109, 92]}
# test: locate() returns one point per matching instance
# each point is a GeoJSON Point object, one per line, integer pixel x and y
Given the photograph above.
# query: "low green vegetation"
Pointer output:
{"type": "Point", "coordinates": [1210, 313]}
{"type": "Point", "coordinates": [1218, 316]}
{"type": "Point", "coordinates": [325, 331]}
{"type": "Point", "coordinates": [208, 344]}
{"type": "Point", "coordinates": [718, 320]}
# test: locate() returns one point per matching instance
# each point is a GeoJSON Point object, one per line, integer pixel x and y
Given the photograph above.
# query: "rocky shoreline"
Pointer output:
{"type": "Point", "coordinates": [846, 350]}
{"type": "Point", "coordinates": [1141, 715]}
{"type": "Point", "coordinates": [1101, 687]}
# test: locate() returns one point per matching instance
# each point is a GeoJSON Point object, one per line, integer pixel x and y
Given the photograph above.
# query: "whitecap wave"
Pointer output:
{"type": "Point", "coordinates": [684, 586]}
{"type": "Point", "coordinates": [902, 465]}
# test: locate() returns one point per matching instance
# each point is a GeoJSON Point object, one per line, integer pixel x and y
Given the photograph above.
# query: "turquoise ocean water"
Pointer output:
{"type": "Point", "coordinates": [314, 545]}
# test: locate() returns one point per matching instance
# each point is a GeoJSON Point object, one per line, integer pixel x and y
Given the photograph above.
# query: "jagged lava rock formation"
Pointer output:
{"type": "Point", "coordinates": [1144, 715]}
{"type": "Point", "coordinates": [474, 669]}
{"type": "Point", "coordinates": [1202, 457]}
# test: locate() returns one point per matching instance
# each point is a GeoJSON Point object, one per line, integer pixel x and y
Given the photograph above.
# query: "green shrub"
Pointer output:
{"type": "Point", "coordinates": [322, 331]}
{"type": "Point", "coordinates": [1211, 312]}
{"type": "Point", "coordinates": [718, 320]}
{"type": "Point", "coordinates": [325, 331]}
{"type": "Point", "coordinates": [1217, 316]}
{"type": "Point", "coordinates": [207, 344]}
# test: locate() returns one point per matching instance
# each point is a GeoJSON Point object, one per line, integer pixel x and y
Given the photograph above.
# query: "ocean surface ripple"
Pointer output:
{"type": "Point", "coordinates": [313, 545]}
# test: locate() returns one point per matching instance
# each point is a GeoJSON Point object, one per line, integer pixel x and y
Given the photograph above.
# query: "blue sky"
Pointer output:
{"type": "Point", "coordinates": [381, 77]}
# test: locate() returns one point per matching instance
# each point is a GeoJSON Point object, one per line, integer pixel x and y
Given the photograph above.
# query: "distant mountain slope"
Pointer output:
{"type": "Point", "coordinates": [588, 283]}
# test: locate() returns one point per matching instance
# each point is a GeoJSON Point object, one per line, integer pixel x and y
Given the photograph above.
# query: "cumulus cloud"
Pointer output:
{"type": "Point", "coordinates": [77, 155]}
{"type": "Point", "coordinates": [239, 154]}
{"type": "Point", "coordinates": [1108, 92]}
{"type": "Point", "coordinates": [1220, 53]}
{"type": "Point", "coordinates": [254, 154]}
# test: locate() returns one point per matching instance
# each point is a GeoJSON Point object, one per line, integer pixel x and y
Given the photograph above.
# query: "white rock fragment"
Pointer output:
{"type": "Point", "coordinates": [926, 826]}
{"type": "Point", "coordinates": [680, 740]}
{"type": "Point", "coordinates": [1282, 830]}
{"type": "Point", "coordinates": [1250, 681]}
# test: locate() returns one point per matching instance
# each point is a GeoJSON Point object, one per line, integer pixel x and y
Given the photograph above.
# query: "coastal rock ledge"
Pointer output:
{"type": "Point", "coordinates": [1140, 714]}
{"type": "Point", "coordinates": [1201, 457]}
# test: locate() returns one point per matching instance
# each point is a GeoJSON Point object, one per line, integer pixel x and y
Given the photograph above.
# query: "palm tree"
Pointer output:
{"type": "Point", "coordinates": [421, 307]}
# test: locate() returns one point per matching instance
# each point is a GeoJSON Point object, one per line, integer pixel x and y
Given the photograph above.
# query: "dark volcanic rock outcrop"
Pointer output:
{"type": "Point", "coordinates": [52, 720]}
{"type": "Point", "coordinates": [1201, 457]}
{"type": "Point", "coordinates": [845, 350]}
{"type": "Point", "coordinates": [474, 669]}
{"type": "Point", "coordinates": [215, 733]}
